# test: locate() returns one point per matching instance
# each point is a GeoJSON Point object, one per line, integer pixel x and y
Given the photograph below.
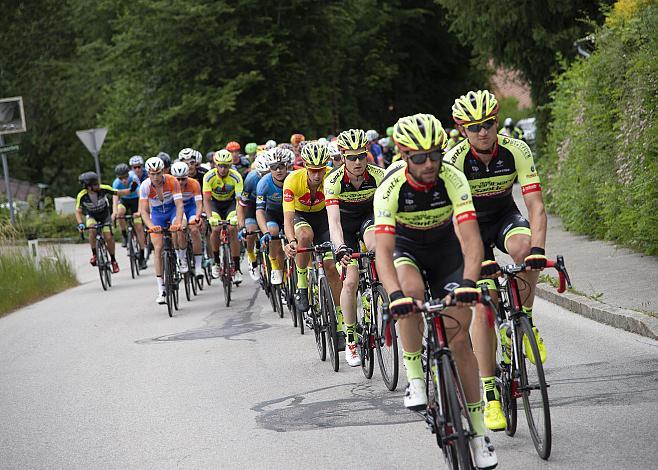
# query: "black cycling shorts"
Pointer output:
{"type": "Point", "coordinates": [317, 221]}
{"type": "Point", "coordinates": [276, 217]}
{"type": "Point", "coordinates": [249, 210]}
{"type": "Point", "coordinates": [441, 264]}
{"type": "Point", "coordinates": [131, 205]}
{"type": "Point", "coordinates": [495, 234]}
{"type": "Point", "coordinates": [223, 208]}
{"type": "Point", "coordinates": [354, 228]}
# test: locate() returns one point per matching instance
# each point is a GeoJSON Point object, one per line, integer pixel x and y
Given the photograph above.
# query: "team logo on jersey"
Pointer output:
{"type": "Point", "coordinates": [288, 196]}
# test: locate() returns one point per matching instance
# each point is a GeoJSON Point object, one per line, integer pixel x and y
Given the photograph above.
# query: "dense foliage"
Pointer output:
{"type": "Point", "coordinates": [601, 157]}
{"type": "Point", "coordinates": [165, 74]}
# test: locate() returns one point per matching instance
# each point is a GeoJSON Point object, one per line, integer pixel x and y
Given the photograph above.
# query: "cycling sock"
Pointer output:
{"type": "Point", "coordinates": [93, 251]}
{"type": "Point", "coordinates": [477, 417]}
{"type": "Point", "coordinates": [124, 234]}
{"type": "Point", "coordinates": [349, 330]}
{"type": "Point", "coordinates": [113, 259]}
{"type": "Point", "coordinates": [302, 280]}
{"type": "Point", "coordinates": [198, 260]}
{"type": "Point", "coordinates": [251, 256]}
{"type": "Point", "coordinates": [340, 323]}
{"type": "Point", "coordinates": [528, 313]}
{"type": "Point", "coordinates": [236, 263]}
{"type": "Point", "coordinates": [275, 264]}
{"type": "Point", "coordinates": [490, 390]}
{"type": "Point", "coordinates": [160, 283]}
{"type": "Point", "coordinates": [215, 255]}
{"type": "Point", "coordinates": [413, 364]}
{"type": "Point", "coordinates": [142, 253]}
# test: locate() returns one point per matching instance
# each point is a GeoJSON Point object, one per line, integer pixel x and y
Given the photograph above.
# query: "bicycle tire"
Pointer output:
{"type": "Point", "coordinates": [191, 268]}
{"type": "Point", "coordinates": [455, 412]}
{"type": "Point", "coordinates": [101, 263]}
{"type": "Point", "coordinates": [188, 287]}
{"type": "Point", "coordinates": [366, 340]}
{"type": "Point", "coordinates": [542, 443]}
{"type": "Point", "coordinates": [388, 357]}
{"type": "Point", "coordinates": [278, 303]}
{"type": "Point", "coordinates": [132, 256]}
{"type": "Point", "coordinates": [291, 286]}
{"type": "Point", "coordinates": [176, 279]}
{"type": "Point", "coordinates": [507, 386]}
{"type": "Point", "coordinates": [329, 317]}
{"type": "Point", "coordinates": [108, 274]}
{"type": "Point", "coordinates": [226, 274]}
{"type": "Point", "coordinates": [169, 299]}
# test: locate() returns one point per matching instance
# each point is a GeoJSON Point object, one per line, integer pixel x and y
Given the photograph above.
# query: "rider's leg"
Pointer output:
{"type": "Point", "coordinates": [196, 247]}
{"type": "Point", "coordinates": [411, 326]}
{"type": "Point", "coordinates": [304, 235]}
{"type": "Point", "coordinates": [156, 239]}
{"type": "Point", "coordinates": [121, 212]}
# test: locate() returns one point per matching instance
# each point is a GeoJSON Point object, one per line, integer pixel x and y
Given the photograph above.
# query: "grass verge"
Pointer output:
{"type": "Point", "coordinates": [23, 281]}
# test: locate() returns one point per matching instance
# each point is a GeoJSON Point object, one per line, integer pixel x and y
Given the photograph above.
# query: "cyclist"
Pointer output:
{"type": "Point", "coordinates": [92, 203]}
{"type": "Point", "coordinates": [247, 217]}
{"type": "Point", "coordinates": [136, 163]}
{"type": "Point", "coordinates": [269, 208]}
{"type": "Point", "coordinates": [296, 142]}
{"type": "Point", "coordinates": [222, 187]}
{"type": "Point", "coordinates": [349, 191]}
{"type": "Point", "coordinates": [128, 203]}
{"type": "Point", "coordinates": [375, 150]}
{"type": "Point", "coordinates": [193, 158]}
{"type": "Point", "coordinates": [240, 162]}
{"type": "Point", "coordinates": [416, 244]}
{"type": "Point", "coordinates": [491, 163]}
{"type": "Point", "coordinates": [306, 224]}
{"type": "Point", "coordinates": [270, 144]}
{"type": "Point", "coordinates": [192, 201]}
{"type": "Point", "coordinates": [250, 149]}
{"type": "Point", "coordinates": [335, 155]}
{"type": "Point", "coordinates": [166, 159]}
{"type": "Point", "coordinates": [510, 130]}
{"type": "Point", "coordinates": [455, 138]}
{"type": "Point", "coordinates": [161, 205]}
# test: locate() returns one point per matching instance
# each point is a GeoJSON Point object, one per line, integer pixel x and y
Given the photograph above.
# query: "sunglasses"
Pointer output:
{"type": "Point", "coordinates": [486, 125]}
{"type": "Point", "coordinates": [136, 167]}
{"type": "Point", "coordinates": [183, 179]}
{"type": "Point", "coordinates": [358, 156]}
{"type": "Point", "coordinates": [223, 166]}
{"type": "Point", "coordinates": [420, 158]}
{"type": "Point", "coordinates": [337, 158]}
{"type": "Point", "coordinates": [316, 170]}
{"type": "Point", "coordinates": [278, 166]}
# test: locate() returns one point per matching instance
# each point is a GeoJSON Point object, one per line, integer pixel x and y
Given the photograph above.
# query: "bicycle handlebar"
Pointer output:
{"type": "Point", "coordinates": [558, 265]}
{"type": "Point", "coordinates": [321, 248]}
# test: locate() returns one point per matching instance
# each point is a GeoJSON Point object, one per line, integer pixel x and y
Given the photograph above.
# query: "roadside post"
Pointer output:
{"type": "Point", "coordinates": [12, 121]}
{"type": "Point", "coordinates": [93, 140]}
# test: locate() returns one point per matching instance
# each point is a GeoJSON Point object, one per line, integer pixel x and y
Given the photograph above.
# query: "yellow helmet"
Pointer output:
{"type": "Point", "coordinates": [352, 139]}
{"type": "Point", "coordinates": [222, 157]}
{"type": "Point", "coordinates": [315, 155]}
{"type": "Point", "coordinates": [474, 106]}
{"type": "Point", "coordinates": [419, 132]}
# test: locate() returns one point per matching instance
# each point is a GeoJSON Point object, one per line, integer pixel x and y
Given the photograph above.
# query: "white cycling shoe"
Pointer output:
{"type": "Point", "coordinates": [352, 355]}
{"type": "Point", "coordinates": [277, 277]}
{"type": "Point", "coordinates": [483, 452]}
{"type": "Point", "coordinates": [215, 271]}
{"type": "Point", "coordinates": [254, 273]}
{"type": "Point", "coordinates": [161, 299]}
{"type": "Point", "coordinates": [237, 277]}
{"type": "Point", "coordinates": [415, 397]}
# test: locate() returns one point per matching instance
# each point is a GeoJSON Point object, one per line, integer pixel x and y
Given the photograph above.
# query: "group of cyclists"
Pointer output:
{"type": "Point", "coordinates": [431, 205]}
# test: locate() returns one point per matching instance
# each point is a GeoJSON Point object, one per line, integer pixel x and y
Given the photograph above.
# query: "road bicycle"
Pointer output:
{"type": "Point", "coordinates": [170, 274]}
{"type": "Point", "coordinates": [322, 311]}
{"type": "Point", "coordinates": [103, 260]}
{"type": "Point", "coordinates": [190, 280]}
{"type": "Point", "coordinates": [226, 268]}
{"type": "Point", "coordinates": [372, 331]}
{"type": "Point", "coordinates": [132, 244]}
{"type": "Point", "coordinates": [516, 376]}
{"type": "Point", "coordinates": [274, 291]}
{"type": "Point", "coordinates": [207, 261]}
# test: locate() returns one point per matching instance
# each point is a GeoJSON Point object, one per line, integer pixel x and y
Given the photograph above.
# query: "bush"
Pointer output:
{"type": "Point", "coordinates": [22, 281]}
{"type": "Point", "coordinates": [41, 224]}
{"type": "Point", "coordinates": [600, 159]}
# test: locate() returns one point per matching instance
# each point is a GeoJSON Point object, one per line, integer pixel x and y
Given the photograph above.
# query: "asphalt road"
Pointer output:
{"type": "Point", "coordinates": [107, 380]}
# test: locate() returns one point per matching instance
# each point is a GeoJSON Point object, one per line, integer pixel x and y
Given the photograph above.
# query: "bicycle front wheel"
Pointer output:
{"type": "Point", "coordinates": [132, 255]}
{"type": "Point", "coordinates": [387, 353]}
{"type": "Point", "coordinates": [226, 274]}
{"type": "Point", "coordinates": [329, 319]}
{"type": "Point", "coordinates": [168, 281]}
{"type": "Point", "coordinates": [366, 336]}
{"type": "Point", "coordinates": [534, 390]}
{"type": "Point", "coordinates": [455, 418]}
{"type": "Point", "coordinates": [101, 263]}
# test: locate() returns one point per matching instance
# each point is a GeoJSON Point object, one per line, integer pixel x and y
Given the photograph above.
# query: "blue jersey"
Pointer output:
{"type": "Point", "coordinates": [376, 152]}
{"type": "Point", "coordinates": [117, 184]}
{"type": "Point", "coordinates": [145, 175]}
{"type": "Point", "coordinates": [269, 195]}
{"type": "Point", "coordinates": [248, 196]}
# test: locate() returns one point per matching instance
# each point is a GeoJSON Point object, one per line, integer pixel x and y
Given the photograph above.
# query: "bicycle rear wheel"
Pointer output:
{"type": "Point", "coordinates": [534, 391]}
{"type": "Point", "coordinates": [387, 354]}
{"type": "Point", "coordinates": [175, 278]}
{"type": "Point", "coordinates": [329, 318]}
{"type": "Point", "coordinates": [507, 385]}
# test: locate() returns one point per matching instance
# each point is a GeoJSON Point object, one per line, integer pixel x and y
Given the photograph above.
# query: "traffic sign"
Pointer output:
{"type": "Point", "coordinates": [93, 139]}
{"type": "Point", "coordinates": [9, 148]}
{"type": "Point", "coordinates": [12, 115]}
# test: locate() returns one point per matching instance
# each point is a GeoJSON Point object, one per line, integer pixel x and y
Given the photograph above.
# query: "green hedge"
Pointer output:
{"type": "Point", "coordinates": [600, 161]}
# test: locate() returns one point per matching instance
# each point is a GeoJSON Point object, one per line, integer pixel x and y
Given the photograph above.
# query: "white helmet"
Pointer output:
{"type": "Point", "coordinates": [179, 169]}
{"type": "Point", "coordinates": [372, 135]}
{"type": "Point", "coordinates": [260, 163]}
{"type": "Point", "coordinates": [280, 155]}
{"type": "Point", "coordinates": [270, 144]}
{"type": "Point", "coordinates": [322, 140]}
{"type": "Point", "coordinates": [186, 154]}
{"type": "Point", "coordinates": [384, 142]}
{"type": "Point", "coordinates": [155, 164]}
{"type": "Point", "coordinates": [136, 160]}
{"type": "Point", "coordinates": [333, 149]}
{"type": "Point", "coordinates": [198, 156]}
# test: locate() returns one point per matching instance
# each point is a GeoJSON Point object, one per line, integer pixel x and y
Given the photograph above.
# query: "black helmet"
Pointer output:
{"type": "Point", "coordinates": [88, 178]}
{"type": "Point", "coordinates": [121, 169]}
{"type": "Point", "coordinates": [166, 159]}
{"type": "Point", "coordinates": [209, 156]}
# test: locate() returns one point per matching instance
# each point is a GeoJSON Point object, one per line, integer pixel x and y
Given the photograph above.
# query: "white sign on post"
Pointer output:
{"type": "Point", "coordinates": [12, 116]}
{"type": "Point", "coordinates": [93, 139]}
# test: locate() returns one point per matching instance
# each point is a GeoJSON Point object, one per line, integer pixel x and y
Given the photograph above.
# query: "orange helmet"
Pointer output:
{"type": "Point", "coordinates": [295, 139]}
{"type": "Point", "coordinates": [232, 146]}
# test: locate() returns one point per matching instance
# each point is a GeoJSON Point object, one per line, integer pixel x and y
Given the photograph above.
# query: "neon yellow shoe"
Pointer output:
{"type": "Point", "coordinates": [506, 345]}
{"type": "Point", "coordinates": [540, 346]}
{"type": "Point", "coordinates": [494, 418]}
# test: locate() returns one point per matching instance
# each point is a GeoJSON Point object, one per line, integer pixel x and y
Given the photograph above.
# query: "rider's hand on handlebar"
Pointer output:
{"type": "Point", "coordinates": [466, 294]}
{"type": "Point", "coordinates": [343, 255]}
{"type": "Point", "coordinates": [489, 269]}
{"type": "Point", "coordinates": [155, 229]}
{"type": "Point", "coordinates": [81, 227]}
{"type": "Point", "coordinates": [291, 249]}
{"type": "Point", "coordinates": [536, 260]}
{"type": "Point", "coordinates": [401, 305]}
